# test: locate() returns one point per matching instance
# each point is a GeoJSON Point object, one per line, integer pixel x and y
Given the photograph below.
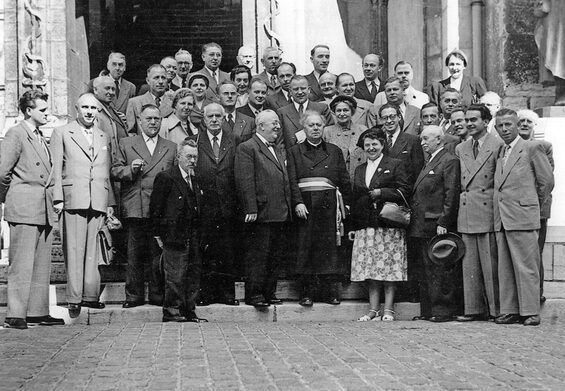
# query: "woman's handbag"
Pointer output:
{"type": "Point", "coordinates": [105, 247]}
{"type": "Point", "coordinates": [396, 215]}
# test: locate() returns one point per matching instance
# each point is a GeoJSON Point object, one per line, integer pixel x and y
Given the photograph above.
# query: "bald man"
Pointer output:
{"type": "Point", "coordinates": [371, 85]}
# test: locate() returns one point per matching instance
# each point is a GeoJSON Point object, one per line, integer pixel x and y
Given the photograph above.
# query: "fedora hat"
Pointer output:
{"type": "Point", "coordinates": [446, 249]}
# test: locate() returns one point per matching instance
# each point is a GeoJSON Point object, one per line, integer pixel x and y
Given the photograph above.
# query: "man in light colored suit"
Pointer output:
{"type": "Point", "coordinates": [26, 194]}
{"type": "Point", "coordinates": [264, 192]}
{"type": "Point", "coordinates": [239, 125]}
{"type": "Point", "coordinates": [83, 195]}
{"type": "Point", "coordinates": [412, 96]}
{"type": "Point", "coordinates": [139, 160]}
{"type": "Point", "coordinates": [281, 98]}
{"type": "Point", "coordinates": [158, 85]}
{"type": "Point", "coordinates": [212, 57]}
{"type": "Point", "coordinates": [271, 60]}
{"type": "Point", "coordinates": [523, 181]}
{"type": "Point", "coordinates": [320, 57]}
{"type": "Point", "coordinates": [475, 221]}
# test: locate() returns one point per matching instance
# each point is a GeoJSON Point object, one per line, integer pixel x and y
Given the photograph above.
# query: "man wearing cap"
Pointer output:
{"type": "Point", "coordinates": [475, 221]}
{"type": "Point", "coordinates": [435, 199]}
{"type": "Point", "coordinates": [523, 181]}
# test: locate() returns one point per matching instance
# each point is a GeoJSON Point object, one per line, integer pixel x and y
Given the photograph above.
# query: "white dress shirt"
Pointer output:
{"type": "Point", "coordinates": [271, 148]}
{"type": "Point", "coordinates": [151, 143]}
{"type": "Point", "coordinates": [372, 166]}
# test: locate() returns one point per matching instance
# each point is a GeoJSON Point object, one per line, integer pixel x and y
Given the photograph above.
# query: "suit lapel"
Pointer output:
{"type": "Point", "coordinates": [410, 117]}
{"type": "Point", "coordinates": [225, 144]}
{"type": "Point", "coordinates": [311, 154]}
{"type": "Point", "coordinates": [97, 137]}
{"type": "Point", "coordinates": [398, 146]}
{"type": "Point", "coordinates": [205, 145]}
{"type": "Point", "coordinates": [78, 137]}
{"type": "Point", "coordinates": [476, 164]}
{"type": "Point", "coordinates": [179, 181]}
{"type": "Point", "coordinates": [158, 154]}
{"type": "Point", "coordinates": [429, 167]}
{"type": "Point", "coordinates": [294, 116]}
{"type": "Point", "coordinates": [375, 180]}
{"type": "Point", "coordinates": [515, 155]}
{"type": "Point", "coordinates": [140, 148]}
{"type": "Point", "coordinates": [265, 151]}
{"type": "Point", "coordinates": [39, 149]}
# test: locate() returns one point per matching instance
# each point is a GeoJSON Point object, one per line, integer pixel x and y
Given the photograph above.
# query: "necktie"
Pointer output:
{"type": "Point", "coordinates": [39, 135]}
{"type": "Point", "coordinates": [189, 182]}
{"type": "Point", "coordinates": [475, 148]}
{"type": "Point", "coordinates": [151, 145]}
{"type": "Point", "coordinates": [215, 147]}
{"type": "Point", "coordinates": [389, 141]}
{"type": "Point", "coordinates": [230, 121]}
{"type": "Point", "coordinates": [373, 90]}
{"type": "Point", "coordinates": [289, 98]}
{"type": "Point", "coordinates": [184, 82]}
{"type": "Point", "coordinates": [506, 154]}
{"type": "Point", "coordinates": [271, 147]}
{"type": "Point", "coordinates": [215, 76]}
{"type": "Point", "coordinates": [157, 101]}
{"type": "Point", "coordinates": [273, 81]}
{"type": "Point", "coordinates": [301, 109]}
{"type": "Point", "coordinates": [88, 135]}
{"type": "Point", "coordinates": [117, 88]}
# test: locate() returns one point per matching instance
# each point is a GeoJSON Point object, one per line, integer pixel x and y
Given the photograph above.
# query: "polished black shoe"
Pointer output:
{"type": "Point", "coordinates": [46, 320]}
{"type": "Point", "coordinates": [93, 304]}
{"type": "Point", "coordinates": [191, 317]}
{"type": "Point", "coordinates": [15, 323]}
{"type": "Point", "coordinates": [74, 310]}
{"type": "Point", "coordinates": [421, 317]}
{"type": "Point", "coordinates": [230, 301]}
{"type": "Point", "coordinates": [441, 318]}
{"type": "Point", "coordinates": [533, 320]}
{"type": "Point", "coordinates": [471, 318]}
{"type": "Point", "coordinates": [508, 319]}
{"type": "Point", "coordinates": [174, 318]}
{"type": "Point", "coordinates": [306, 302]}
{"type": "Point", "coordinates": [334, 301]}
{"type": "Point", "coordinates": [132, 304]}
{"type": "Point", "coordinates": [259, 304]}
{"type": "Point", "coordinates": [275, 301]}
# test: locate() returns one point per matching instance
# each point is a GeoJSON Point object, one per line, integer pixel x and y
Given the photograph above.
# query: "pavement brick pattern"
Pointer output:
{"type": "Point", "coordinates": [284, 356]}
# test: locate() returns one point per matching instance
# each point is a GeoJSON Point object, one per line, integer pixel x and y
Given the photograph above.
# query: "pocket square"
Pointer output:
{"type": "Point", "coordinates": [387, 171]}
{"type": "Point", "coordinates": [431, 172]}
{"type": "Point", "coordinates": [404, 151]}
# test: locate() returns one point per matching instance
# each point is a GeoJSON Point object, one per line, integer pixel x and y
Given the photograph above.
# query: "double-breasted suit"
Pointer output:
{"type": "Point", "coordinates": [290, 120]}
{"type": "Point", "coordinates": [136, 189]}
{"type": "Point", "coordinates": [522, 182]}
{"type": "Point", "coordinates": [26, 186]}
{"type": "Point", "coordinates": [81, 173]}
{"type": "Point", "coordinates": [476, 224]}
{"type": "Point", "coordinates": [362, 91]}
{"type": "Point", "coordinates": [136, 103]}
{"type": "Point", "coordinates": [407, 148]}
{"type": "Point", "coordinates": [263, 189]}
{"type": "Point", "coordinates": [435, 200]}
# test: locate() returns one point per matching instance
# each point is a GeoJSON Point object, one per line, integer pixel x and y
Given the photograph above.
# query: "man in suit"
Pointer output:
{"type": "Point", "coordinates": [257, 94]}
{"type": "Point", "coordinates": [215, 175]}
{"type": "Point", "coordinates": [394, 93]}
{"type": "Point", "coordinates": [412, 96]}
{"type": "Point", "coordinates": [26, 194]}
{"type": "Point", "coordinates": [493, 102]}
{"type": "Point", "coordinates": [184, 65]}
{"type": "Point", "coordinates": [174, 212]}
{"type": "Point", "coordinates": [449, 100]}
{"type": "Point", "coordinates": [320, 58]}
{"type": "Point", "coordinates": [328, 86]}
{"type": "Point", "coordinates": [83, 195]}
{"type": "Point", "coordinates": [271, 60]}
{"type": "Point", "coordinates": [241, 75]}
{"type": "Point", "coordinates": [345, 85]}
{"type": "Point", "coordinates": [475, 221]}
{"type": "Point", "coordinates": [171, 66]}
{"type": "Point", "coordinates": [368, 88]}
{"type": "Point", "coordinates": [139, 160]}
{"type": "Point", "coordinates": [281, 98]}
{"type": "Point", "coordinates": [290, 115]}
{"type": "Point", "coordinates": [458, 122]}
{"type": "Point", "coordinates": [246, 56]}
{"type": "Point", "coordinates": [264, 192]}
{"type": "Point", "coordinates": [523, 181]}
{"type": "Point", "coordinates": [157, 81]}
{"type": "Point", "coordinates": [435, 200]}
{"type": "Point", "coordinates": [239, 125]}
{"type": "Point", "coordinates": [212, 57]}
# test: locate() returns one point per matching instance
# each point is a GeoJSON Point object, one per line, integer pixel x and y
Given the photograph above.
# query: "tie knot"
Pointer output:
{"type": "Point", "coordinates": [269, 144]}
{"type": "Point", "coordinates": [215, 138]}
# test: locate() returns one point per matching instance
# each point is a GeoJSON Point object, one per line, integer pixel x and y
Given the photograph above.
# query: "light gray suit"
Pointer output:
{"type": "Point", "coordinates": [134, 109]}
{"type": "Point", "coordinates": [26, 190]}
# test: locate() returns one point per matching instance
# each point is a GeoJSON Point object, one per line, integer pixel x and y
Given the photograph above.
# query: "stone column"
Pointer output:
{"type": "Point", "coordinates": [380, 32]}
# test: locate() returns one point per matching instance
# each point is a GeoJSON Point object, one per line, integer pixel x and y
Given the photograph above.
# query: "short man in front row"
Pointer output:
{"type": "Point", "coordinates": [26, 192]}
{"type": "Point", "coordinates": [522, 182]}
{"type": "Point", "coordinates": [84, 196]}
{"type": "Point", "coordinates": [264, 190]}
{"type": "Point", "coordinates": [139, 160]}
{"type": "Point", "coordinates": [174, 213]}
{"type": "Point", "coordinates": [475, 221]}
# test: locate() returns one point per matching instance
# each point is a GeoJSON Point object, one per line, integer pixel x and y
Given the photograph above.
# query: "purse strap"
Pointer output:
{"type": "Point", "coordinates": [402, 195]}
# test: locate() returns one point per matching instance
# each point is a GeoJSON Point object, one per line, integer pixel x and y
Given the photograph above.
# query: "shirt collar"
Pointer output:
{"type": "Point", "coordinates": [376, 81]}
{"type": "Point", "coordinates": [514, 142]}
{"type": "Point", "coordinates": [304, 105]}
{"type": "Point", "coordinates": [211, 71]}
{"type": "Point", "coordinates": [263, 139]}
{"type": "Point", "coordinates": [376, 162]}
{"type": "Point", "coordinates": [183, 173]}
{"type": "Point", "coordinates": [211, 136]}
{"type": "Point", "coordinates": [147, 139]}
{"type": "Point", "coordinates": [31, 126]}
{"type": "Point", "coordinates": [435, 153]}
{"type": "Point", "coordinates": [481, 140]}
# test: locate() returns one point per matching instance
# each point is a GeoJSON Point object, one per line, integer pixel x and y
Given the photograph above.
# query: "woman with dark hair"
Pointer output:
{"type": "Point", "coordinates": [177, 125]}
{"type": "Point", "coordinates": [471, 88]}
{"type": "Point", "coordinates": [241, 75]}
{"type": "Point", "coordinates": [345, 133]}
{"type": "Point", "coordinates": [199, 83]}
{"type": "Point", "coordinates": [379, 249]}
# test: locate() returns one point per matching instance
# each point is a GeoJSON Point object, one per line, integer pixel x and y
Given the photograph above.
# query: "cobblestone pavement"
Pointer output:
{"type": "Point", "coordinates": [284, 356]}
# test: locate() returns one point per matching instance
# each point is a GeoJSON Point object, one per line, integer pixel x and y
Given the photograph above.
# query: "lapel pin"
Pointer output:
{"type": "Point", "coordinates": [379, 169]}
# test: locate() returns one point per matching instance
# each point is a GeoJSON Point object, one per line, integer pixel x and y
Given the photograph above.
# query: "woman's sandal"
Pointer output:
{"type": "Point", "coordinates": [372, 315]}
{"type": "Point", "coordinates": [389, 315]}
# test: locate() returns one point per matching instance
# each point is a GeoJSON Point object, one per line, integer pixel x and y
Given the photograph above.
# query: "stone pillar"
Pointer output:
{"type": "Point", "coordinates": [380, 31]}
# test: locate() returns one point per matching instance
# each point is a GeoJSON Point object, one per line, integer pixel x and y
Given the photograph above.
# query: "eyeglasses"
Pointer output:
{"type": "Point", "coordinates": [391, 117]}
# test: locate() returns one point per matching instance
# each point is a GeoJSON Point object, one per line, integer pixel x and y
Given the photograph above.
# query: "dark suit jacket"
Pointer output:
{"type": "Point", "coordinates": [110, 123]}
{"type": "Point", "coordinates": [127, 91]}
{"type": "Point", "coordinates": [276, 101]}
{"type": "Point", "coordinates": [211, 91]}
{"type": "Point", "coordinates": [315, 90]}
{"type": "Point", "coordinates": [472, 88]}
{"type": "Point", "coordinates": [435, 197]}
{"type": "Point", "coordinates": [173, 208]}
{"type": "Point", "coordinates": [390, 177]}
{"type": "Point", "coordinates": [362, 92]}
{"type": "Point", "coordinates": [136, 188]}
{"type": "Point", "coordinates": [271, 89]}
{"type": "Point", "coordinates": [290, 120]}
{"type": "Point", "coordinates": [134, 109]}
{"type": "Point", "coordinates": [545, 208]}
{"type": "Point", "coordinates": [411, 118]}
{"type": "Point", "coordinates": [262, 182]}
{"type": "Point", "coordinates": [243, 128]}
{"type": "Point", "coordinates": [246, 110]}
{"type": "Point", "coordinates": [408, 149]}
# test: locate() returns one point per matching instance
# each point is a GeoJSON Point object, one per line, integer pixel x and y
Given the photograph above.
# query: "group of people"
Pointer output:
{"type": "Point", "coordinates": [220, 176]}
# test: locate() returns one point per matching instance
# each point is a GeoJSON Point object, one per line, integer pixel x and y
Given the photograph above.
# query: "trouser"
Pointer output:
{"type": "Point", "coordinates": [143, 262]}
{"type": "Point", "coordinates": [79, 232]}
{"type": "Point", "coordinates": [320, 286]}
{"type": "Point", "coordinates": [182, 279]}
{"type": "Point", "coordinates": [29, 270]}
{"type": "Point", "coordinates": [266, 244]}
{"type": "Point", "coordinates": [541, 245]}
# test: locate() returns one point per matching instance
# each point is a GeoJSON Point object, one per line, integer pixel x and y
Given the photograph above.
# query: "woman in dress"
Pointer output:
{"type": "Point", "coordinates": [177, 126]}
{"type": "Point", "coordinates": [471, 88]}
{"type": "Point", "coordinates": [379, 250]}
{"type": "Point", "coordinates": [345, 133]}
{"type": "Point", "coordinates": [320, 190]}
{"type": "Point", "coordinates": [198, 84]}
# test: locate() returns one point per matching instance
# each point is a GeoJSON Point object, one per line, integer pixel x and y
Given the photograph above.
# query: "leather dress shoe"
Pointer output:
{"type": "Point", "coordinates": [508, 319]}
{"type": "Point", "coordinates": [74, 310]}
{"type": "Point", "coordinates": [533, 320]}
{"type": "Point", "coordinates": [191, 317]}
{"type": "Point", "coordinates": [275, 300]}
{"type": "Point", "coordinates": [471, 318]}
{"type": "Point", "coordinates": [174, 318]}
{"type": "Point", "coordinates": [334, 301]}
{"type": "Point", "coordinates": [93, 304]}
{"type": "Point", "coordinates": [441, 318]}
{"type": "Point", "coordinates": [231, 301]}
{"type": "Point", "coordinates": [15, 323]}
{"type": "Point", "coordinates": [46, 320]}
{"type": "Point", "coordinates": [132, 304]}
{"type": "Point", "coordinates": [306, 302]}
{"type": "Point", "coordinates": [421, 317]}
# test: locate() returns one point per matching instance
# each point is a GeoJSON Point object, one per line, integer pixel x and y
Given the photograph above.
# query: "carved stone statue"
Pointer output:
{"type": "Point", "coordinates": [33, 65]}
{"type": "Point", "coordinates": [550, 39]}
